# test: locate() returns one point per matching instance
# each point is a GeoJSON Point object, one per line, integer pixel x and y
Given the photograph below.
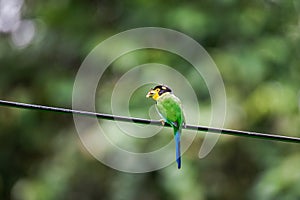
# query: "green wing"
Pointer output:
{"type": "Point", "coordinates": [169, 107]}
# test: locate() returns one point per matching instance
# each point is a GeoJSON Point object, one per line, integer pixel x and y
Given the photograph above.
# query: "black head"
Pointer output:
{"type": "Point", "coordinates": [159, 90]}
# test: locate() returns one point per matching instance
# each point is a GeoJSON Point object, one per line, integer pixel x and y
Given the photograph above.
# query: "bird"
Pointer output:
{"type": "Point", "coordinates": [170, 109]}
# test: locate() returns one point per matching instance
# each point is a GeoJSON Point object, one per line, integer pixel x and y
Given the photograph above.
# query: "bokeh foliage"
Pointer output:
{"type": "Point", "coordinates": [255, 44]}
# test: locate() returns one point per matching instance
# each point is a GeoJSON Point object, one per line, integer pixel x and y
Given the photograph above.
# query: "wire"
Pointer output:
{"type": "Point", "coordinates": [265, 136]}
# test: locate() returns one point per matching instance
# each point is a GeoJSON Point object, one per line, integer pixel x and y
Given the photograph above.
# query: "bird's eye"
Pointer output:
{"type": "Point", "coordinates": [157, 90]}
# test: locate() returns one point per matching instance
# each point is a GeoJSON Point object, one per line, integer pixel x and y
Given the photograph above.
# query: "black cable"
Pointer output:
{"type": "Point", "coordinates": [281, 138]}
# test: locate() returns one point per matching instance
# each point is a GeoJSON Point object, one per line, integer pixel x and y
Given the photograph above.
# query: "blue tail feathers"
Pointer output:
{"type": "Point", "coordinates": [177, 144]}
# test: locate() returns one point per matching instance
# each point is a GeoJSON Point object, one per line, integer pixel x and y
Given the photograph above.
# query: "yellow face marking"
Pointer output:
{"type": "Point", "coordinates": [155, 95]}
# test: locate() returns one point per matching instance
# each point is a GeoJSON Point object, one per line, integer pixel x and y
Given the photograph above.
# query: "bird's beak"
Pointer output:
{"type": "Point", "coordinates": [150, 93]}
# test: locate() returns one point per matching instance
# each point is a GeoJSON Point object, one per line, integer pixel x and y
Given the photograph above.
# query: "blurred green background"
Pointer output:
{"type": "Point", "coordinates": [255, 44]}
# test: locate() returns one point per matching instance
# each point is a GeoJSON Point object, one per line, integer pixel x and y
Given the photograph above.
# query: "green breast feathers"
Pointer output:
{"type": "Point", "coordinates": [169, 107]}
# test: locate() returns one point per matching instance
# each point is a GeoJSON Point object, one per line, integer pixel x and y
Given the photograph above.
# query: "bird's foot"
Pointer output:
{"type": "Point", "coordinates": [162, 122]}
